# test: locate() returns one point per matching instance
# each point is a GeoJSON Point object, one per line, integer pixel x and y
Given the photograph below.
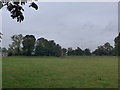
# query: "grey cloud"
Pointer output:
{"type": "Point", "coordinates": [69, 24]}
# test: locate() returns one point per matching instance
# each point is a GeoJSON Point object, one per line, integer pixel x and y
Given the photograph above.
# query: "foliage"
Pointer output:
{"type": "Point", "coordinates": [4, 49]}
{"type": "Point", "coordinates": [41, 47]}
{"type": "Point", "coordinates": [78, 51]}
{"type": "Point", "coordinates": [70, 51]}
{"type": "Point", "coordinates": [106, 49]}
{"type": "Point", "coordinates": [17, 40]}
{"type": "Point", "coordinates": [12, 49]}
{"type": "Point", "coordinates": [64, 52]}
{"type": "Point", "coordinates": [117, 45]}
{"type": "Point", "coordinates": [16, 8]}
{"type": "Point", "coordinates": [47, 48]}
{"type": "Point", "coordinates": [28, 44]}
{"type": "Point", "coordinates": [15, 47]}
{"type": "Point", "coordinates": [87, 51]}
{"type": "Point", "coordinates": [44, 47]}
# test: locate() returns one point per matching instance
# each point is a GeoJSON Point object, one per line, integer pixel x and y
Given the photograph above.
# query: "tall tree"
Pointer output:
{"type": "Point", "coordinates": [41, 47]}
{"type": "Point", "coordinates": [15, 46]}
{"type": "Point", "coordinates": [28, 44]}
{"type": "Point", "coordinates": [57, 50]}
{"type": "Point", "coordinates": [108, 48]}
{"type": "Point", "coordinates": [117, 44]}
{"type": "Point", "coordinates": [17, 41]}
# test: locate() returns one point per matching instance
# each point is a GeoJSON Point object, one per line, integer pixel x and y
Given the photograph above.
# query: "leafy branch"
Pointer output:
{"type": "Point", "coordinates": [16, 8]}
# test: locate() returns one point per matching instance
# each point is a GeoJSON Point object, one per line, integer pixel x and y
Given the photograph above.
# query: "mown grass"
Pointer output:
{"type": "Point", "coordinates": [66, 72]}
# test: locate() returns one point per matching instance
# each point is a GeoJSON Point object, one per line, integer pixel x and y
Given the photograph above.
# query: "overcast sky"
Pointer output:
{"type": "Point", "coordinates": [84, 25]}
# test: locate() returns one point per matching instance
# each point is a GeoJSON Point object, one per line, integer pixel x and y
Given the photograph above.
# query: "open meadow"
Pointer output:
{"type": "Point", "coordinates": [60, 72]}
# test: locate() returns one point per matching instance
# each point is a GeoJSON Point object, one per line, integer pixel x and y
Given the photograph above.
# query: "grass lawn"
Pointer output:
{"type": "Point", "coordinates": [66, 72]}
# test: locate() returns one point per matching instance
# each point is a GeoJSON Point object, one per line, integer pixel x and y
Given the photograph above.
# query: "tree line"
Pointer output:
{"type": "Point", "coordinates": [30, 46]}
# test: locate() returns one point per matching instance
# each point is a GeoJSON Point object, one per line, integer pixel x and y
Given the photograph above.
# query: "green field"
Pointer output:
{"type": "Point", "coordinates": [63, 72]}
